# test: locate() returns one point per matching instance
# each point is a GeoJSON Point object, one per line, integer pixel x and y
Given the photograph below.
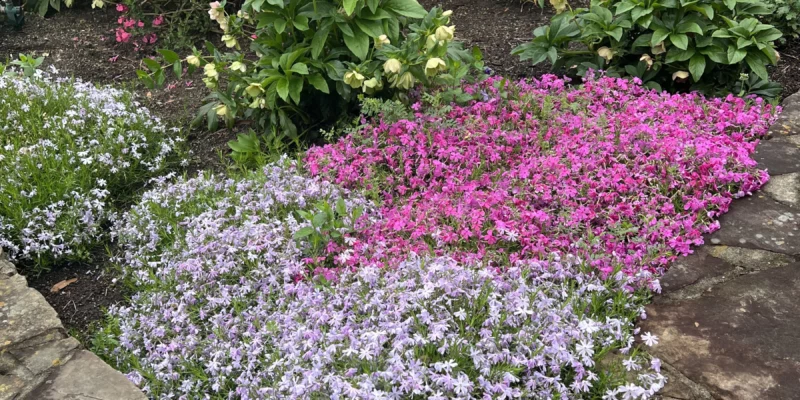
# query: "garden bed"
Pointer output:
{"type": "Point", "coordinates": [81, 43]}
{"type": "Point", "coordinates": [594, 189]}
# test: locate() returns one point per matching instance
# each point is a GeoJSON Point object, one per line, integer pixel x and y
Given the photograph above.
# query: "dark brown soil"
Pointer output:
{"type": "Point", "coordinates": [83, 302]}
{"type": "Point", "coordinates": [497, 27]}
{"type": "Point", "coordinates": [80, 42]}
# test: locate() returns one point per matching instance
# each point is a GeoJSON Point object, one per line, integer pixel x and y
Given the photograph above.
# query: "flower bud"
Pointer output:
{"type": "Point", "coordinates": [431, 42]}
{"type": "Point", "coordinates": [392, 66]}
{"type": "Point", "coordinates": [647, 59]}
{"type": "Point", "coordinates": [405, 81]}
{"type": "Point", "coordinates": [434, 65]}
{"type": "Point", "coordinates": [447, 13]}
{"type": "Point", "coordinates": [354, 79]}
{"type": "Point", "coordinates": [680, 75]}
{"type": "Point", "coordinates": [658, 48]}
{"type": "Point", "coordinates": [193, 60]}
{"type": "Point", "coordinates": [445, 33]}
{"type": "Point", "coordinates": [381, 40]}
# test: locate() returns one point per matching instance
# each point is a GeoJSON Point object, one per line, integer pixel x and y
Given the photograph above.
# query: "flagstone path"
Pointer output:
{"type": "Point", "coordinates": [728, 318]}
{"type": "Point", "coordinates": [38, 360]}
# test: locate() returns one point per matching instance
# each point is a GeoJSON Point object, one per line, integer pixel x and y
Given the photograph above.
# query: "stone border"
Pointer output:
{"type": "Point", "coordinates": [728, 317]}
{"type": "Point", "coordinates": [38, 360]}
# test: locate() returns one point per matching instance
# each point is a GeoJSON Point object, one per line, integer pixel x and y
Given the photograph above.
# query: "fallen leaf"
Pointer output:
{"type": "Point", "coordinates": [60, 285]}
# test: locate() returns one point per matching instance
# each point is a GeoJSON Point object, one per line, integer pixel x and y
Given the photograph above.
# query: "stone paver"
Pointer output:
{"type": "Point", "coordinates": [38, 360]}
{"type": "Point", "coordinates": [728, 318]}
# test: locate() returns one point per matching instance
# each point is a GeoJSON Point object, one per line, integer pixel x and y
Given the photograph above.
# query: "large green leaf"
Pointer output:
{"type": "Point", "coordinates": [350, 6]}
{"type": "Point", "coordinates": [680, 40]}
{"type": "Point", "coordinates": [406, 8]}
{"type": "Point", "coordinates": [697, 66]}
{"type": "Point", "coordinates": [756, 64]}
{"type": "Point", "coordinates": [318, 82]}
{"type": "Point", "coordinates": [358, 43]}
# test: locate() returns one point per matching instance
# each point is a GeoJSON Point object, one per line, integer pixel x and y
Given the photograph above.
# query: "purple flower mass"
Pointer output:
{"type": "Point", "coordinates": [507, 255]}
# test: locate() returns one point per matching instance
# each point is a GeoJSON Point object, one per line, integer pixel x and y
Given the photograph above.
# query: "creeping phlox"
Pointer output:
{"type": "Point", "coordinates": [67, 147]}
{"type": "Point", "coordinates": [534, 167]}
{"type": "Point", "coordinates": [221, 312]}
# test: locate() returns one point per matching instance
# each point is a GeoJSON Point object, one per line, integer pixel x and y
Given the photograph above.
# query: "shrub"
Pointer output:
{"type": "Point", "coordinates": [709, 46]}
{"type": "Point", "coordinates": [785, 16]}
{"type": "Point", "coordinates": [69, 151]}
{"type": "Point", "coordinates": [223, 310]}
{"type": "Point", "coordinates": [610, 171]}
{"type": "Point", "coordinates": [304, 61]}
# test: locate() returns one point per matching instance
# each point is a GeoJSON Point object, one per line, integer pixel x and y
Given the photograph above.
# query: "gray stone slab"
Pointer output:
{"type": "Point", "coordinates": [759, 222]}
{"type": "Point", "coordinates": [86, 377]}
{"type": "Point", "coordinates": [739, 340]}
{"type": "Point", "coordinates": [24, 313]}
{"type": "Point", "coordinates": [779, 156]}
{"type": "Point", "coordinates": [785, 188]}
{"type": "Point", "coordinates": [689, 270]}
{"type": "Point", "coordinates": [788, 122]}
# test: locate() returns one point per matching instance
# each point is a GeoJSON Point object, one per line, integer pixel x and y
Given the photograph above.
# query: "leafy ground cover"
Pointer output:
{"type": "Point", "coordinates": [69, 153]}
{"type": "Point", "coordinates": [501, 249]}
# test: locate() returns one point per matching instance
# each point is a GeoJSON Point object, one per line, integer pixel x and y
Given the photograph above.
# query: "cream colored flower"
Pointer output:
{"type": "Point", "coordinates": [371, 86]}
{"type": "Point", "coordinates": [193, 60]}
{"type": "Point", "coordinates": [354, 79]}
{"type": "Point", "coordinates": [221, 109]}
{"type": "Point", "coordinates": [254, 90]}
{"type": "Point", "coordinates": [223, 24]}
{"type": "Point", "coordinates": [98, 4]}
{"type": "Point", "coordinates": [445, 33]}
{"type": "Point", "coordinates": [216, 12]}
{"type": "Point", "coordinates": [434, 65]}
{"type": "Point", "coordinates": [237, 66]}
{"type": "Point", "coordinates": [559, 5]}
{"type": "Point", "coordinates": [447, 13]}
{"type": "Point", "coordinates": [431, 42]}
{"type": "Point", "coordinates": [230, 41]}
{"type": "Point", "coordinates": [405, 81]}
{"type": "Point", "coordinates": [381, 41]}
{"type": "Point", "coordinates": [680, 75]}
{"type": "Point", "coordinates": [606, 53]}
{"type": "Point", "coordinates": [658, 49]}
{"type": "Point", "coordinates": [392, 66]}
{"type": "Point", "coordinates": [647, 59]}
{"type": "Point", "coordinates": [210, 71]}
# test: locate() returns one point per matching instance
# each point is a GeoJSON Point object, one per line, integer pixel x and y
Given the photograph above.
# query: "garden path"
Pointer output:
{"type": "Point", "coordinates": [728, 318]}
{"type": "Point", "coordinates": [38, 360]}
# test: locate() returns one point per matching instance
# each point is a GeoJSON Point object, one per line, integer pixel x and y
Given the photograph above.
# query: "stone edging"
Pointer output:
{"type": "Point", "coordinates": [728, 317]}
{"type": "Point", "coordinates": [38, 360]}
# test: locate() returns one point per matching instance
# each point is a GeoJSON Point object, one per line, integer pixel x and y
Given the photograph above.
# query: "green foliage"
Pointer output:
{"type": "Point", "coordinates": [784, 15]}
{"type": "Point", "coordinates": [28, 64]}
{"type": "Point", "coordinates": [671, 44]}
{"type": "Point", "coordinates": [328, 224]}
{"type": "Point", "coordinates": [293, 65]}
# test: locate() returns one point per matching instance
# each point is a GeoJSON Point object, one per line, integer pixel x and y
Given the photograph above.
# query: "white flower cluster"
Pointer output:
{"type": "Point", "coordinates": [67, 148]}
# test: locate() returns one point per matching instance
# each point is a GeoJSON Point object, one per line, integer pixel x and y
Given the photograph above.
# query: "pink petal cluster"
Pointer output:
{"type": "Point", "coordinates": [612, 171]}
